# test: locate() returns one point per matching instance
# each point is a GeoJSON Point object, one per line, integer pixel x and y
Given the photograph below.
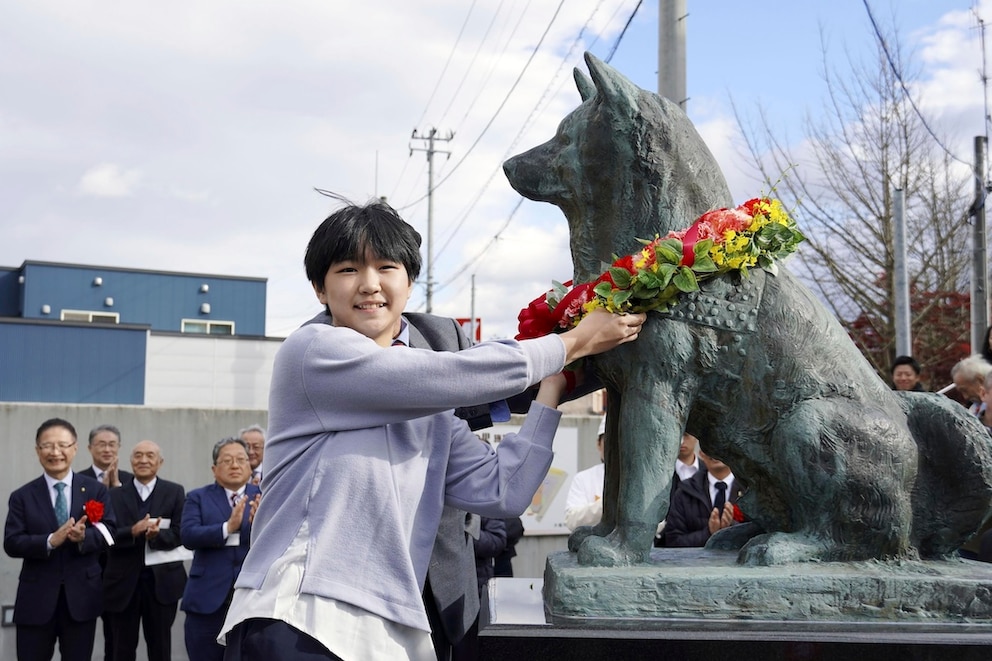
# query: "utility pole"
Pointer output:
{"type": "Point", "coordinates": [903, 305]}
{"type": "Point", "coordinates": [430, 139]}
{"type": "Point", "coordinates": [979, 255]}
{"type": "Point", "coordinates": [671, 51]}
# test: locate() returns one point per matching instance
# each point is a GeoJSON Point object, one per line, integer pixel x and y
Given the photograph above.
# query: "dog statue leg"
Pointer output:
{"type": "Point", "coordinates": [649, 434]}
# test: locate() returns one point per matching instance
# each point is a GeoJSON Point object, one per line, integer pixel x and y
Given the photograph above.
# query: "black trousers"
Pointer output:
{"type": "Point", "coordinates": [273, 640]}
{"type": "Point", "coordinates": [37, 643]}
{"type": "Point", "coordinates": [145, 611]}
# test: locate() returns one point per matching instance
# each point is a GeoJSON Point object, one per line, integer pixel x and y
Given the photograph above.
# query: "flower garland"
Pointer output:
{"type": "Point", "coordinates": [755, 234]}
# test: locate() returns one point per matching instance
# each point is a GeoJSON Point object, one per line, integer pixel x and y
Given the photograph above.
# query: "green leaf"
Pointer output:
{"type": "Point", "coordinates": [668, 253]}
{"type": "Point", "coordinates": [603, 289]}
{"type": "Point", "coordinates": [704, 264]}
{"type": "Point", "coordinates": [646, 293]}
{"type": "Point", "coordinates": [665, 274]}
{"type": "Point", "coordinates": [620, 297]}
{"type": "Point", "coordinates": [702, 248]}
{"type": "Point", "coordinates": [648, 279]}
{"type": "Point", "coordinates": [685, 280]}
{"type": "Point", "coordinates": [621, 277]}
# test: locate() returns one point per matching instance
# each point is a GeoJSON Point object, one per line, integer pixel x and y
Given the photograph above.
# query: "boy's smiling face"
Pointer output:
{"type": "Point", "coordinates": [367, 295]}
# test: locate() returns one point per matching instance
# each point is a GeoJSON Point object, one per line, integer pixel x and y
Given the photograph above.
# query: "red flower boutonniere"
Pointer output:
{"type": "Point", "coordinates": [94, 511]}
{"type": "Point", "coordinates": [738, 514]}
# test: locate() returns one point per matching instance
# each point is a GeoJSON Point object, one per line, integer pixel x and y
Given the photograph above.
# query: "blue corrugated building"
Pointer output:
{"type": "Point", "coordinates": [80, 334]}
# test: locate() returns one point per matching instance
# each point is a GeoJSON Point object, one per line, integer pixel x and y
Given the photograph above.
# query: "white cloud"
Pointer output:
{"type": "Point", "coordinates": [108, 180]}
{"type": "Point", "coordinates": [214, 121]}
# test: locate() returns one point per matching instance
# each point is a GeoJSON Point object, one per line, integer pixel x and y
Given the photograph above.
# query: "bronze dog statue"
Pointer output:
{"type": "Point", "coordinates": [839, 466]}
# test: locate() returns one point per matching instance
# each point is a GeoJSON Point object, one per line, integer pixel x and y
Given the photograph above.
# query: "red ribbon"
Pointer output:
{"type": "Point", "coordinates": [689, 244]}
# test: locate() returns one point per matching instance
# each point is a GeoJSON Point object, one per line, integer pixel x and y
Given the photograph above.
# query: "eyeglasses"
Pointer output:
{"type": "Point", "coordinates": [231, 461]}
{"type": "Point", "coordinates": [51, 447]}
{"type": "Point", "coordinates": [105, 444]}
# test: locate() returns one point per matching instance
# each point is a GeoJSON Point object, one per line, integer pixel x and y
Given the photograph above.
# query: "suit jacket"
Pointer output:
{"type": "Point", "coordinates": [126, 558]}
{"type": "Point", "coordinates": [30, 520]}
{"type": "Point", "coordinates": [215, 565]}
{"type": "Point", "coordinates": [124, 476]}
{"type": "Point", "coordinates": [689, 513]}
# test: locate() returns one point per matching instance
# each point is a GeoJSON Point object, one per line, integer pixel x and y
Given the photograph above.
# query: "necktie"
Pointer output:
{"type": "Point", "coordinates": [61, 508]}
{"type": "Point", "coordinates": [721, 496]}
{"type": "Point", "coordinates": [234, 500]}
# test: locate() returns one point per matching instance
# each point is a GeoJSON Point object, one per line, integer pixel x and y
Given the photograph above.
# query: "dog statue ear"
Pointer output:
{"type": "Point", "coordinates": [611, 85]}
{"type": "Point", "coordinates": [586, 89]}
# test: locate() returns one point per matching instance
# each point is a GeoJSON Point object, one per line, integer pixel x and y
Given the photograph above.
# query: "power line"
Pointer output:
{"type": "Point", "coordinates": [905, 89]}
{"type": "Point", "coordinates": [520, 200]}
{"type": "Point", "coordinates": [444, 70]}
{"type": "Point", "coordinates": [630, 19]}
{"type": "Point", "coordinates": [544, 96]}
{"type": "Point", "coordinates": [502, 104]}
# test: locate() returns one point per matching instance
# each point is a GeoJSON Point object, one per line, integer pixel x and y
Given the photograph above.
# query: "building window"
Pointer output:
{"type": "Point", "coordinates": [197, 327]}
{"type": "Point", "coordinates": [88, 317]}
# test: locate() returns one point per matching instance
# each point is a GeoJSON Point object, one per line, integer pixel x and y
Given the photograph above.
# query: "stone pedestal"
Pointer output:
{"type": "Point", "coordinates": [696, 584]}
{"type": "Point", "coordinates": [691, 603]}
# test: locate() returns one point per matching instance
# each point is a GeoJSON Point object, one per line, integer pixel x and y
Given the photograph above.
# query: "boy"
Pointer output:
{"type": "Point", "coordinates": [365, 451]}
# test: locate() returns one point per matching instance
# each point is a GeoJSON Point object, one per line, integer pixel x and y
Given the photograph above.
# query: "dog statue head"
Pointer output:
{"type": "Point", "coordinates": [625, 164]}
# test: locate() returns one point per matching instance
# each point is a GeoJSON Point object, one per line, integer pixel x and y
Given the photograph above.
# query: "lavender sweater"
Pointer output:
{"type": "Point", "coordinates": [363, 444]}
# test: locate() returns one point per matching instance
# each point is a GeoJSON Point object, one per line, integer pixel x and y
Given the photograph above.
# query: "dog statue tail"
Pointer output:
{"type": "Point", "coordinates": [952, 496]}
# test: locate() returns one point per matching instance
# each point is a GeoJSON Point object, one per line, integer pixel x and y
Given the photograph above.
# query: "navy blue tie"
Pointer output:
{"type": "Point", "coordinates": [721, 497]}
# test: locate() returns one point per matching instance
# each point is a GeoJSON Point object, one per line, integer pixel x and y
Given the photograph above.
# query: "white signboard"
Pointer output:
{"type": "Point", "coordinates": [546, 514]}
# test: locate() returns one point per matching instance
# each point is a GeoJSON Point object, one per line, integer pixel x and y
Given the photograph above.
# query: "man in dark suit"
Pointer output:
{"type": "Point", "coordinates": [216, 526]}
{"type": "Point", "coordinates": [104, 445]}
{"type": "Point", "coordinates": [703, 504]}
{"type": "Point", "coordinates": [59, 524]}
{"type": "Point", "coordinates": [254, 438]}
{"type": "Point", "coordinates": [149, 513]}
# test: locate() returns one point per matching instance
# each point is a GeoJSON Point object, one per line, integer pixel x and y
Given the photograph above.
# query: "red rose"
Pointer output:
{"type": "Point", "coordinates": [94, 511]}
{"type": "Point", "coordinates": [738, 514]}
{"type": "Point", "coordinates": [536, 320]}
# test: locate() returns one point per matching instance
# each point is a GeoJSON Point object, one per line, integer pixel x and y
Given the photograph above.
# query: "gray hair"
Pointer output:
{"type": "Point", "coordinates": [96, 430]}
{"type": "Point", "coordinates": [973, 368]}
{"type": "Point", "coordinates": [219, 445]}
{"type": "Point", "coordinates": [258, 428]}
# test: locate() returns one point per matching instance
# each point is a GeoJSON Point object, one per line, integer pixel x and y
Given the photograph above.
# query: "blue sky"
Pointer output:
{"type": "Point", "coordinates": [189, 136]}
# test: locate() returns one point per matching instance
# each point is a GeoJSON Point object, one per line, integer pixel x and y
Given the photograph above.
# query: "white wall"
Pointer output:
{"type": "Point", "coordinates": [209, 372]}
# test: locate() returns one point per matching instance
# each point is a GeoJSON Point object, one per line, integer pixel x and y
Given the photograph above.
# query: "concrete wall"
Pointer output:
{"type": "Point", "coordinates": [186, 436]}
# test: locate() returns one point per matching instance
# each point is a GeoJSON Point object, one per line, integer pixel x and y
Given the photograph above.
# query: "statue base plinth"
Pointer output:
{"type": "Point", "coordinates": [693, 603]}
{"type": "Point", "coordinates": [697, 584]}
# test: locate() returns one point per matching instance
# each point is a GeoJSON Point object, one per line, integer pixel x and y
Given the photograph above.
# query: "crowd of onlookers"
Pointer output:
{"type": "Point", "coordinates": [112, 544]}
{"type": "Point", "coordinates": [121, 540]}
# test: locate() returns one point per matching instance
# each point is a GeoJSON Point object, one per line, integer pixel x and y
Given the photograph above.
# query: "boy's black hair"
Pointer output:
{"type": "Point", "coordinates": [353, 230]}
{"type": "Point", "coordinates": [906, 360]}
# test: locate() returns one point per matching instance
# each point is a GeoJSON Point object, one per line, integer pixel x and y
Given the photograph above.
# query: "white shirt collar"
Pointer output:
{"type": "Point", "coordinates": [145, 490]}
{"type": "Point", "coordinates": [240, 492]}
{"type": "Point", "coordinates": [728, 480]}
{"type": "Point", "coordinates": [685, 471]}
{"type": "Point", "coordinates": [51, 481]}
